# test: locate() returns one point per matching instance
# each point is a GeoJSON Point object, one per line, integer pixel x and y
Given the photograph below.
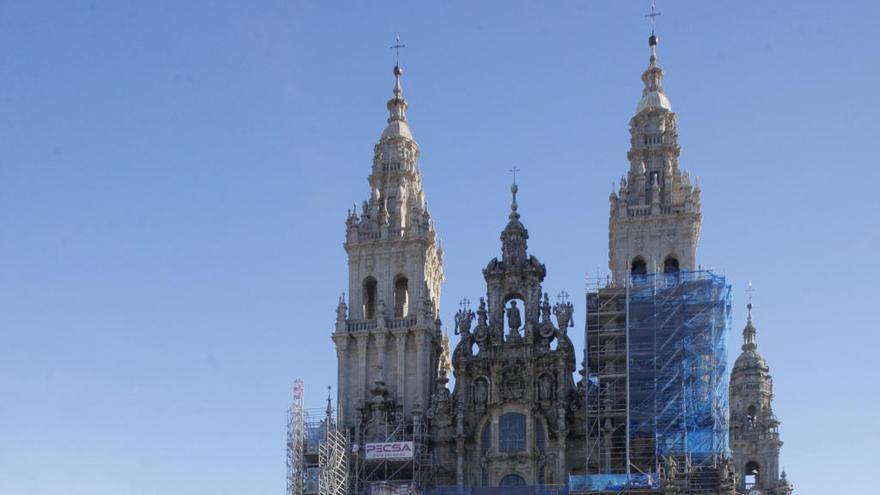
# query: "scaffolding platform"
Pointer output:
{"type": "Point", "coordinates": [657, 385]}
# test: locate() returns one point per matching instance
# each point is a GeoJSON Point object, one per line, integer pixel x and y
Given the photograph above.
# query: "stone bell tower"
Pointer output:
{"type": "Point", "coordinates": [754, 429]}
{"type": "Point", "coordinates": [655, 216]}
{"type": "Point", "coordinates": [387, 333]}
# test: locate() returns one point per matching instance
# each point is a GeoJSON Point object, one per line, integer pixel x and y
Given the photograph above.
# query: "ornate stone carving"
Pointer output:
{"type": "Point", "coordinates": [481, 393]}
{"type": "Point", "coordinates": [564, 311]}
{"type": "Point", "coordinates": [546, 386]}
{"type": "Point", "coordinates": [512, 384]}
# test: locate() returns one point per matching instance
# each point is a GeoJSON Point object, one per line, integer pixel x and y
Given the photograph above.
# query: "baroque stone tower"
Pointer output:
{"type": "Point", "coordinates": [388, 334]}
{"type": "Point", "coordinates": [655, 217]}
{"type": "Point", "coordinates": [754, 429]}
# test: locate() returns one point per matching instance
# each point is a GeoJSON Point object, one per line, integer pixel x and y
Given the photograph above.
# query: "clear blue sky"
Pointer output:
{"type": "Point", "coordinates": [174, 178]}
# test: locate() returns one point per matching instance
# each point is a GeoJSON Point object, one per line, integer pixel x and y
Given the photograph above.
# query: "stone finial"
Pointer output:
{"type": "Point", "coordinates": [463, 319]}
{"type": "Point", "coordinates": [564, 311]}
{"type": "Point", "coordinates": [515, 236]}
{"type": "Point", "coordinates": [397, 105]}
{"type": "Point", "coordinates": [341, 308]}
{"type": "Point", "coordinates": [445, 359]}
{"type": "Point", "coordinates": [341, 313]}
{"type": "Point", "coordinates": [482, 313]}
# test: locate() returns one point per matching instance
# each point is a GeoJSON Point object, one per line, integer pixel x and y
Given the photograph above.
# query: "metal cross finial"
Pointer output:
{"type": "Point", "coordinates": [750, 290]}
{"type": "Point", "coordinates": [396, 47]}
{"type": "Point", "coordinates": [465, 304]}
{"type": "Point", "coordinates": [653, 16]}
{"type": "Point", "coordinates": [563, 297]}
{"type": "Point", "coordinates": [515, 170]}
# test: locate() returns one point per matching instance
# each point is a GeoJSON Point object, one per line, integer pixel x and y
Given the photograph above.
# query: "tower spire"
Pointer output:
{"type": "Point", "coordinates": [513, 190]}
{"type": "Point", "coordinates": [652, 94]}
{"type": "Point", "coordinates": [397, 105]}
{"type": "Point", "coordinates": [749, 333]}
{"type": "Point", "coordinates": [329, 409]}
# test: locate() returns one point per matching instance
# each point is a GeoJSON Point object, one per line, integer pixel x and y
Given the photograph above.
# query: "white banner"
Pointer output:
{"type": "Point", "coordinates": [389, 450]}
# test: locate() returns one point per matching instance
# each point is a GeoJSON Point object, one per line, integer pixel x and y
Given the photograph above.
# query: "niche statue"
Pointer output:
{"type": "Point", "coordinates": [513, 319]}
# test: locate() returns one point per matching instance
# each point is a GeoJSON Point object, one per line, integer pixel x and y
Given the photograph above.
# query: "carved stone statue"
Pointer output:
{"type": "Point", "coordinates": [545, 387]}
{"type": "Point", "coordinates": [513, 319]}
{"type": "Point", "coordinates": [545, 310]}
{"type": "Point", "coordinates": [563, 312]}
{"type": "Point", "coordinates": [463, 320]}
{"type": "Point", "coordinates": [481, 393]}
{"type": "Point", "coordinates": [482, 314]}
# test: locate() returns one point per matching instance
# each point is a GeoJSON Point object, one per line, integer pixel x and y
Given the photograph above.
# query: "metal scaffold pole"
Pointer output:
{"type": "Point", "coordinates": [295, 440]}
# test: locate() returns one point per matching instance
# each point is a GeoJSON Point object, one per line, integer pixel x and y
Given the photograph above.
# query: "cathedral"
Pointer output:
{"type": "Point", "coordinates": [649, 406]}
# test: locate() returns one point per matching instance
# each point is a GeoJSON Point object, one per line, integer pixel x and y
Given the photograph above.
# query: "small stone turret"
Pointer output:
{"type": "Point", "coordinates": [754, 428]}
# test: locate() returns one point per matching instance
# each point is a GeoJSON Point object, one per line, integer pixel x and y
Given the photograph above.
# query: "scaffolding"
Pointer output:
{"type": "Point", "coordinates": [333, 460]}
{"type": "Point", "coordinates": [317, 449]}
{"type": "Point", "coordinates": [295, 440]}
{"type": "Point", "coordinates": [657, 381]}
{"type": "Point", "coordinates": [408, 466]}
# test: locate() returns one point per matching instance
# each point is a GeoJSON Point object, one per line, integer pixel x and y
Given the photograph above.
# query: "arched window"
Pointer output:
{"type": "Point", "coordinates": [401, 297]}
{"type": "Point", "coordinates": [751, 416]}
{"type": "Point", "coordinates": [513, 480]}
{"type": "Point", "coordinates": [369, 298]}
{"type": "Point", "coordinates": [512, 432]}
{"type": "Point", "coordinates": [752, 475]}
{"type": "Point", "coordinates": [670, 265]}
{"type": "Point", "coordinates": [639, 269]}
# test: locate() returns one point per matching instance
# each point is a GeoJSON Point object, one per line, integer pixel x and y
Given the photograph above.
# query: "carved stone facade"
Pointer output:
{"type": "Point", "coordinates": [515, 407]}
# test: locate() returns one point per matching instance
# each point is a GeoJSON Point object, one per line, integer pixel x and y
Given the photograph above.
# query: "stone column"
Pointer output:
{"type": "Point", "coordinates": [362, 340]}
{"type": "Point", "coordinates": [562, 475]}
{"type": "Point", "coordinates": [379, 338]}
{"type": "Point", "coordinates": [421, 366]}
{"type": "Point", "coordinates": [459, 445]}
{"type": "Point", "coordinates": [400, 341]}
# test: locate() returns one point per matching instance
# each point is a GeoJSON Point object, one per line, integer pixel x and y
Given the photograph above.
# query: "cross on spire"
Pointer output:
{"type": "Point", "coordinates": [653, 16]}
{"type": "Point", "coordinates": [750, 290]}
{"type": "Point", "coordinates": [515, 170]}
{"type": "Point", "coordinates": [396, 47]}
{"type": "Point", "coordinates": [465, 304]}
{"type": "Point", "coordinates": [563, 297]}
